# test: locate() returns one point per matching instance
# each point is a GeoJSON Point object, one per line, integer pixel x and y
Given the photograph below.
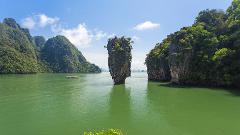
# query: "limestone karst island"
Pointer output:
{"type": "Point", "coordinates": [124, 67]}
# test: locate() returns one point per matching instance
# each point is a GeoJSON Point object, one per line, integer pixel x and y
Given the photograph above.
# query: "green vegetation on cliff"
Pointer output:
{"type": "Point", "coordinates": [62, 56]}
{"type": "Point", "coordinates": [17, 54]}
{"type": "Point", "coordinates": [206, 53]}
{"type": "Point", "coordinates": [119, 58]}
{"type": "Point", "coordinates": [39, 42]}
{"type": "Point", "coordinates": [21, 53]}
{"type": "Point", "coordinates": [157, 63]}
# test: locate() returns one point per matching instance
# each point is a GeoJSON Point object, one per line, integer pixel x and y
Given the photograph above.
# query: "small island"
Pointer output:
{"type": "Point", "coordinates": [204, 54]}
{"type": "Point", "coordinates": [119, 58]}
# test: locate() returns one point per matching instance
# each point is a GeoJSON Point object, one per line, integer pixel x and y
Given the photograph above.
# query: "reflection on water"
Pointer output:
{"type": "Point", "coordinates": [51, 104]}
{"type": "Point", "coordinates": [160, 98]}
{"type": "Point", "coordinates": [193, 111]}
{"type": "Point", "coordinates": [120, 105]}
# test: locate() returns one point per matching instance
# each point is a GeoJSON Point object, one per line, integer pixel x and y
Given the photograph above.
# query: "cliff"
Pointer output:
{"type": "Point", "coordinates": [157, 63]}
{"type": "Point", "coordinates": [119, 58]}
{"type": "Point", "coordinates": [206, 53]}
{"type": "Point", "coordinates": [190, 53]}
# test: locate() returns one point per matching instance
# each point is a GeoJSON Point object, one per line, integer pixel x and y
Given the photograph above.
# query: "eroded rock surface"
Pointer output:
{"type": "Point", "coordinates": [178, 60]}
{"type": "Point", "coordinates": [119, 58]}
{"type": "Point", "coordinates": [157, 63]}
{"type": "Point", "coordinates": [160, 71]}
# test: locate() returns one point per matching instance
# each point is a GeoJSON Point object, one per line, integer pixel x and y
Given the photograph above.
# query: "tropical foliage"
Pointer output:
{"type": "Point", "coordinates": [22, 53]}
{"type": "Point", "coordinates": [213, 44]}
{"type": "Point", "coordinates": [119, 59]}
{"type": "Point", "coordinates": [62, 56]}
{"type": "Point", "coordinates": [39, 41]}
{"type": "Point", "coordinates": [17, 55]}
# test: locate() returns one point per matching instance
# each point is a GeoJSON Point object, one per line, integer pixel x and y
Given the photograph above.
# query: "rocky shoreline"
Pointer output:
{"type": "Point", "coordinates": [206, 53]}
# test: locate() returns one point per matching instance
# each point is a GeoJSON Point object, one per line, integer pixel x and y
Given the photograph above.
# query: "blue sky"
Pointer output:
{"type": "Point", "coordinates": [89, 23]}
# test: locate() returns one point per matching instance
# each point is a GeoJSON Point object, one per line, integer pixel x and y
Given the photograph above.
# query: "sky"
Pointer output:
{"type": "Point", "coordinates": [89, 23]}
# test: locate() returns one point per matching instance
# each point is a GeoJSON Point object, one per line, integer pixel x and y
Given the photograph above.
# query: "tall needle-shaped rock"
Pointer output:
{"type": "Point", "coordinates": [119, 58]}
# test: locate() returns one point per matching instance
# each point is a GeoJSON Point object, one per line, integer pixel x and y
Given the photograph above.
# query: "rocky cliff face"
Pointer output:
{"type": "Point", "coordinates": [158, 74]}
{"type": "Point", "coordinates": [157, 63]}
{"type": "Point", "coordinates": [187, 54]}
{"type": "Point", "coordinates": [158, 69]}
{"type": "Point", "coordinates": [206, 53]}
{"type": "Point", "coordinates": [178, 61]}
{"type": "Point", "coordinates": [119, 59]}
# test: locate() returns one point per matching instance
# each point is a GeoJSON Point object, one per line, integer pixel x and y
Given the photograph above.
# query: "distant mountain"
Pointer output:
{"type": "Point", "coordinates": [62, 56]}
{"type": "Point", "coordinates": [21, 53]}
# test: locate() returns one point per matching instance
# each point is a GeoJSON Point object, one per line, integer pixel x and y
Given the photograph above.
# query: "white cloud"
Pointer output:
{"type": "Point", "coordinates": [39, 20]}
{"type": "Point", "coordinates": [146, 25]}
{"type": "Point", "coordinates": [100, 35]}
{"type": "Point", "coordinates": [45, 20]}
{"type": "Point", "coordinates": [135, 38]}
{"type": "Point", "coordinates": [80, 36]}
{"type": "Point", "coordinates": [28, 23]}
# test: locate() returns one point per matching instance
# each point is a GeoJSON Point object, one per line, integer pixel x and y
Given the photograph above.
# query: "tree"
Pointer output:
{"type": "Point", "coordinates": [213, 20]}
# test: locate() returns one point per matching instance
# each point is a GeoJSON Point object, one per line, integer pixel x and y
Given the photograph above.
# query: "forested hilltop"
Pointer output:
{"type": "Point", "coordinates": [206, 53]}
{"type": "Point", "coordinates": [21, 53]}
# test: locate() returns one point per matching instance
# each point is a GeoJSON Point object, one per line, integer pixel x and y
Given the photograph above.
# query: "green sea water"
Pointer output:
{"type": "Point", "coordinates": [51, 104]}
